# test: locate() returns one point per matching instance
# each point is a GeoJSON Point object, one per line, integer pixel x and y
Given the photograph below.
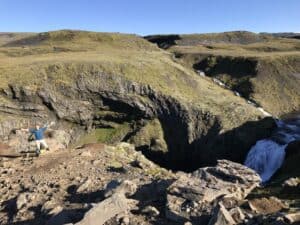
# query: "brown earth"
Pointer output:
{"type": "Point", "coordinates": [34, 190]}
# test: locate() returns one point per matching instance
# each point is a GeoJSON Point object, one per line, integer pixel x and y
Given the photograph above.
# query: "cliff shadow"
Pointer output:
{"type": "Point", "coordinates": [206, 150]}
{"type": "Point", "coordinates": [235, 71]}
{"type": "Point", "coordinates": [163, 41]}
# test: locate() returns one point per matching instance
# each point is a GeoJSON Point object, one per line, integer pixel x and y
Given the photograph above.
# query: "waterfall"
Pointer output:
{"type": "Point", "coordinates": [267, 155]}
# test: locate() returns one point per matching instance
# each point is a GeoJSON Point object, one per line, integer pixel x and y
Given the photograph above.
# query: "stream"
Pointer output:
{"type": "Point", "coordinates": [267, 155]}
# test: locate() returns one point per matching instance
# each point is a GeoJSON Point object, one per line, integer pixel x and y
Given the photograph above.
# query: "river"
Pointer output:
{"type": "Point", "coordinates": [267, 155]}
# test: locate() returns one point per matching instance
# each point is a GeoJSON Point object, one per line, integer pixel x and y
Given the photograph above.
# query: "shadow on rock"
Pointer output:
{"type": "Point", "coordinates": [207, 149]}
{"type": "Point", "coordinates": [10, 207]}
{"type": "Point", "coordinates": [90, 197]}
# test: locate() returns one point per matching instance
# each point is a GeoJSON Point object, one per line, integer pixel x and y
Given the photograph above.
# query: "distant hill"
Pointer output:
{"type": "Point", "coordinates": [6, 37]}
{"type": "Point", "coordinates": [234, 37]}
{"type": "Point", "coordinates": [263, 67]}
{"type": "Point", "coordinates": [284, 35]}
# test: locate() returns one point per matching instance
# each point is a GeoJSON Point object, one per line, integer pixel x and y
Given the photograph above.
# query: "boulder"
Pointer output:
{"type": "Point", "coordinates": [84, 186]}
{"type": "Point", "coordinates": [266, 205]}
{"type": "Point", "coordinates": [291, 186]}
{"type": "Point", "coordinates": [7, 151]}
{"type": "Point", "coordinates": [292, 182]}
{"type": "Point", "coordinates": [290, 166]}
{"type": "Point", "coordinates": [221, 217]}
{"type": "Point", "coordinates": [105, 210]}
{"type": "Point", "coordinates": [22, 142]}
{"type": "Point", "coordinates": [292, 217]}
{"type": "Point", "coordinates": [22, 200]}
{"type": "Point", "coordinates": [192, 197]}
{"type": "Point", "coordinates": [27, 200]}
{"type": "Point", "coordinates": [126, 187]}
{"type": "Point", "coordinates": [151, 211]}
{"type": "Point", "coordinates": [237, 214]}
{"type": "Point", "coordinates": [116, 203]}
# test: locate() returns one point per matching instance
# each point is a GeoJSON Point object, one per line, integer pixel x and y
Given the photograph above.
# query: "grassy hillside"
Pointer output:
{"type": "Point", "coordinates": [262, 67]}
{"type": "Point", "coordinates": [61, 56]}
{"type": "Point", "coordinates": [234, 37]}
{"type": "Point", "coordinates": [6, 37]}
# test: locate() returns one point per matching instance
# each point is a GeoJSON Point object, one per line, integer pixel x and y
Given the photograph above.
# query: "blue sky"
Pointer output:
{"type": "Point", "coordinates": [150, 17]}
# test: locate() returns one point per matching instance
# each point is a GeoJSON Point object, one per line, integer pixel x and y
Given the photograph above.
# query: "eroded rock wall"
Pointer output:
{"type": "Point", "coordinates": [194, 137]}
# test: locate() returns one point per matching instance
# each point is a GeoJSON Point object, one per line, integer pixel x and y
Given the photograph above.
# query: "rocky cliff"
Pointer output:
{"type": "Point", "coordinates": [180, 109]}
{"type": "Point", "coordinates": [97, 80]}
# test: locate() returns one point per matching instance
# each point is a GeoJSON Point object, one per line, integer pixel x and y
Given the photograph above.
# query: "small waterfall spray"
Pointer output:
{"type": "Point", "coordinates": [267, 155]}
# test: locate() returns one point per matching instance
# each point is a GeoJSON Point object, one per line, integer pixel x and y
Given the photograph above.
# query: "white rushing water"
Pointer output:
{"type": "Point", "coordinates": [267, 155]}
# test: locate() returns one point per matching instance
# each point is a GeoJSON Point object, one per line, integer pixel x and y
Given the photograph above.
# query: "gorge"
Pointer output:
{"type": "Point", "coordinates": [155, 128]}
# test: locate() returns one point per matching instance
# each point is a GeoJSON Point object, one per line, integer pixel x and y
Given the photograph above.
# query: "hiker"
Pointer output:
{"type": "Point", "coordinates": [38, 133]}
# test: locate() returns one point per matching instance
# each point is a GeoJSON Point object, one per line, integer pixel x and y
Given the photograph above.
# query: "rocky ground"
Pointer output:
{"type": "Point", "coordinates": [33, 190]}
{"type": "Point", "coordinates": [116, 88]}
{"type": "Point", "coordinates": [101, 184]}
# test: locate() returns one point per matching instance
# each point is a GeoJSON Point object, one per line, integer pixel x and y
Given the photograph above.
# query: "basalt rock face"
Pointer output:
{"type": "Point", "coordinates": [86, 80]}
{"type": "Point", "coordinates": [193, 137]}
{"type": "Point", "coordinates": [188, 132]}
{"type": "Point", "coordinates": [239, 70]}
{"type": "Point", "coordinates": [290, 167]}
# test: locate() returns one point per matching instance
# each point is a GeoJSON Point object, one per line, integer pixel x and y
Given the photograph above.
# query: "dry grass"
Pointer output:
{"type": "Point", "coordinates": [120, 55]}
{"type": "Point", "coordinates": [244, 44]}
{"type": "Point", "coordinates": [6, 37]}
{"type": "Point", "coordinates": [274, 85]}
{"type": "Point", "coordinates": [275, 48]}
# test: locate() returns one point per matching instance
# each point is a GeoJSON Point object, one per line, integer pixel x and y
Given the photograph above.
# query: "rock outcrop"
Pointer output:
{"type": "Point", "coordinates": [115, 204]}
{"type": "Point", "coordinates": [194, 114]}
{"type": "Point", "coordinates": [94, 84]}
{"type": "Point", "coordinates": [188, 131]}
{"type": "Point", "coordinates": [61, 186]}
{"type": "Point", "coordinates": [193, 197]}
{"type": "Point", "coordinates": [117, 184]}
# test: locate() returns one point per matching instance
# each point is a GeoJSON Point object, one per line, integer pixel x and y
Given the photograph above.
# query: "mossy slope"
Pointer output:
{"type": "Point", "coordinates": [262, 67]}
{"type": "Point", "coordinates": [35, 60]}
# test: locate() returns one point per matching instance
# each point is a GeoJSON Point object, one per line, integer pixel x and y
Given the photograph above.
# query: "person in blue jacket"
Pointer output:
{"type": "Point", "coordinates": [38, 133]}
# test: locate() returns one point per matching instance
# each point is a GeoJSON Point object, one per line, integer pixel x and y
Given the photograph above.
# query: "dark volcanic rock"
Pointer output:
{"type": "Point", "coordinates": [193, 137]}
{"type": "Point", "coordinates": [292, 149]}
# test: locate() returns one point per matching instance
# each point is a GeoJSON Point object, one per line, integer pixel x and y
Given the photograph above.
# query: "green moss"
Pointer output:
{"type": "Point", "coordinates": [105, 135]}
{"type": "Point", "coordinates": [151, 135]}
{"type": "Point", "coordinates": [212, 61]}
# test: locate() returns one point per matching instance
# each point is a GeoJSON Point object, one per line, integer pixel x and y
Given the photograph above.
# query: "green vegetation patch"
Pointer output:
{"type": "Point", "coordinates": [105, 135]}
{"type": "Point", "coordinates": [151, 135]}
